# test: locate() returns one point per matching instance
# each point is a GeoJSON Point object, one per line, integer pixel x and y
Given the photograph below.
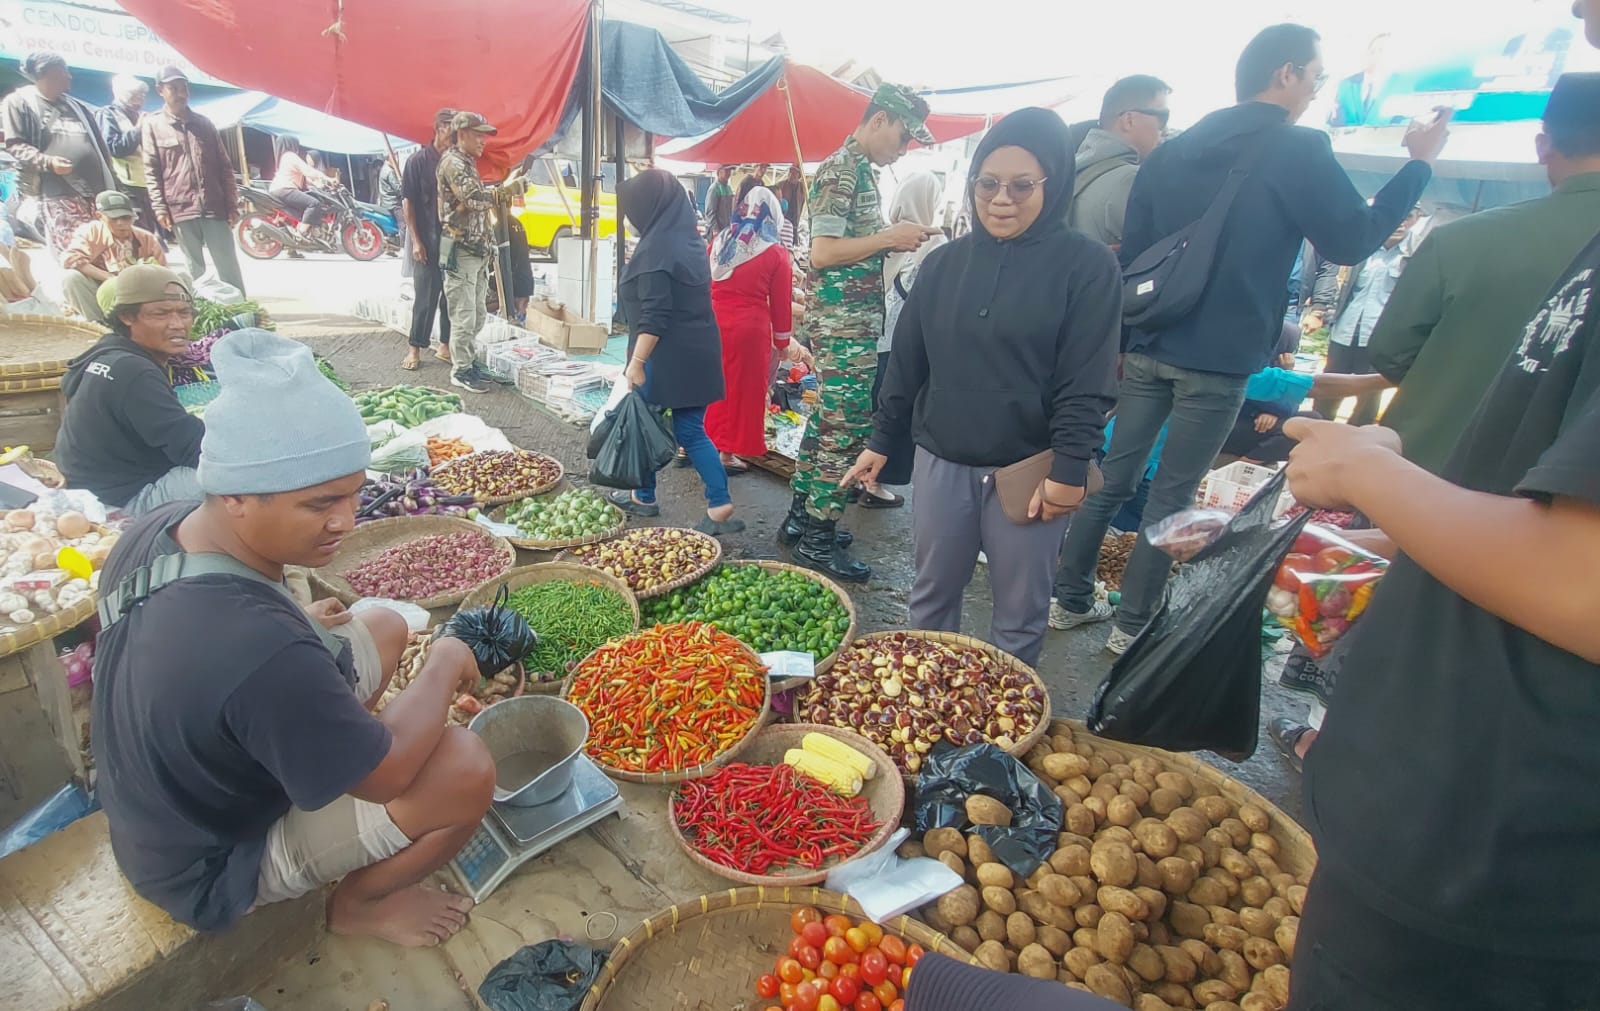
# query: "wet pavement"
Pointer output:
{"type": "Point", "coordinates": [1072, 665]}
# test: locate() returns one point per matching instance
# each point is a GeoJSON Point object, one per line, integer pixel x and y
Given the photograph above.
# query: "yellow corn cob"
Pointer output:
{"type": "Point", "coordinates": [840, 752]}
{"type": "Point", "coordinates": [840, 778]}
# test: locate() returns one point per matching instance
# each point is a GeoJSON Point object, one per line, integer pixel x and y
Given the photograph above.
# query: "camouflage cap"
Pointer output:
{"type": "Point", "coordinates": [471, 121]}
{"type": "Point", "coordinates": [905, 103]}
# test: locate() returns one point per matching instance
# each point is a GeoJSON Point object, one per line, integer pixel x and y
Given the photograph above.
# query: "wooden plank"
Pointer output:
{"type": "Point", "coordinates": [49, 679]}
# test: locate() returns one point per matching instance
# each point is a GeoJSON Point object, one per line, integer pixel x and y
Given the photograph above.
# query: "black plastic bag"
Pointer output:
{"type": "Point", "coordinates": [951, 775]}
{"type": "Point", "coordinates": [630, 444]}
{"type": "Point", "coordinates": [548, 976]}
{"type": "Point", "coordinates": [1191, 681]}
{"type": "Point", "coordinates": [497, 635]}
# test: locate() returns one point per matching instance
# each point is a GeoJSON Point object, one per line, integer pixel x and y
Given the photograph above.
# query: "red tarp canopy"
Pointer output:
{"type": "Point", "coordinates": [391, 64]}
{"type": "Point", "coordinates": [826, 110]}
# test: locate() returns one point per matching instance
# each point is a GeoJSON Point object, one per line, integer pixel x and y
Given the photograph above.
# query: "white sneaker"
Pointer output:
{"type": "Point", "coordinates": [1118, 642]}
{"type": "Point", "coordinates": [1062, 619]}
{"type": "Point", "coordinates": [983, 559]}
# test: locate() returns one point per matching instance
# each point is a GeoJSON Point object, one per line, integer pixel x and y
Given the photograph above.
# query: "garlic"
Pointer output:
{"type": "Point", "coordinates": [21, 616]}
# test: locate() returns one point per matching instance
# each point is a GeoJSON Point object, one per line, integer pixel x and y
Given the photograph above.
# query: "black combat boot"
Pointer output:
{"type": "Point", "coordinates": [820, 549]}
{"type": "Point", "coordinates": [795, 524]}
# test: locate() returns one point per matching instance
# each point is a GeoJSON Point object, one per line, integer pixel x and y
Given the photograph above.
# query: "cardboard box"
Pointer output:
{"type": "Point", "coordinates": [561, 328]}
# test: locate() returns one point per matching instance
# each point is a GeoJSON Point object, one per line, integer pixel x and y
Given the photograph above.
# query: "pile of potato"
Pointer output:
{"type": "Point", "coordinates": [1161, 893]}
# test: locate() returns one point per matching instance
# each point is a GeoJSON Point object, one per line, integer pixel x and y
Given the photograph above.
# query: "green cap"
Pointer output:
{"type": "Point", "coordinates": [905, 103]}
{"type": "Point", "coordinates": [114, 204]}
{"type": "Point", "coordinates": [147, 282]}
{"type": "Point", "coordinates": [471, 121]}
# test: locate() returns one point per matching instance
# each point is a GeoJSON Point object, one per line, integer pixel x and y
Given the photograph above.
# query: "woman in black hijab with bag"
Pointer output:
{"type": "Point", "coordinates": [674, 350]}
{"type": "Point", "coordinates": [1004, 361]}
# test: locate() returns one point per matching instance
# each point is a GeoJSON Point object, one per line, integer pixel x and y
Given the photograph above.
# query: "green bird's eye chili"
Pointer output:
{"type": "Point", "coordinates": [572, 620]}
{"type": "Point", "coordinates": [763, 819]}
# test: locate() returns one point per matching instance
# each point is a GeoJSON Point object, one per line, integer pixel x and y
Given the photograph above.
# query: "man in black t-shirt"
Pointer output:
{"type": "Point", "coordinates": [1452, 790]}
{"type": "Point", "coordinates": [239, 762]}
{"type": "Point", "coordinates": [419, 192]}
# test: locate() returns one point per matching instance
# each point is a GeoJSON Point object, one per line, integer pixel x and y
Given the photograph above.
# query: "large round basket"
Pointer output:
{"type": "Point", "coordinates": [533, 544]}
{"type": "Point", "coordinates": [551, 572]}
{"type": "Point", "coordinates": [575, 555]}
{"type": "Point", "coordinates": [833, 587]}
{"type": "Point", "coordinates": [48, 626]}
{"type": "Point", "coordinates": [885, 792]}
{"type": "Point", "coordinates": [488, 501]}
{"type": "Point", "coordinates": [1297, 853]}
{"type": "Point", "coordinates": [728, 754]}
{"type": "Point", "coordinates": [708, 953]}
{"type": "Point", "coordinates": [39, 347]}
{"type": "Point", "coordinates": [997, 656]}
{"type": "Point", "coordinates": [411, 662]}
{"type": "Point", "coordinates": [369, 540]}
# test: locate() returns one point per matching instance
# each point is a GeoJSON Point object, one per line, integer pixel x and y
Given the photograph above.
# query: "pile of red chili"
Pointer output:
{"type": "Point", "coordinates": [761, 819]}
{"type": "Point", "coordinates": [668, 698]}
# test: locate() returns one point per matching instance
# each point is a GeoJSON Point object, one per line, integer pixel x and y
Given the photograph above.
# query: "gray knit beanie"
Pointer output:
{"type": "Point", "coordinates": [278, 424]}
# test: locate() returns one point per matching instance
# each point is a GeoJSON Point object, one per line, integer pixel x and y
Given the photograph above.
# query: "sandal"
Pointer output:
{"type": "Point", "coordinates": [736, 466]}
{"type": "Point", "coordinates": [411, 364]}
{"type": "Point", "coordinates": [871, 501]}
{"type": "Point", "coordinates": [1285, 735]}
{"type": "Point", "coordinates": [716, 528]}
{"type": "Point", "coordinates": [625, 501]}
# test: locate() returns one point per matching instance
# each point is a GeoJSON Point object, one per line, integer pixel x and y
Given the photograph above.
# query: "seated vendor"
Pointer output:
{"type": "Point", "coordinates": [16, 272]}
{"type": "Point", "coordinates": [124, 436]}
{"type": "Point", "coordinates": [102, 249]}
{"type": "Point", "coordinates": [240, 763]}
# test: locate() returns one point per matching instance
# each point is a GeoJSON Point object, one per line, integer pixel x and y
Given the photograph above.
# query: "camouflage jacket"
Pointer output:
{"type": "Point", "coordinates": [844, 204]}
{"type": "Point", "coordinates": [464, 203]}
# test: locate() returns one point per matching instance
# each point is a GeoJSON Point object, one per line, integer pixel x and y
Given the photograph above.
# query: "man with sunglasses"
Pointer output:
{"type": "Point", "coordinates": [1133, 123]}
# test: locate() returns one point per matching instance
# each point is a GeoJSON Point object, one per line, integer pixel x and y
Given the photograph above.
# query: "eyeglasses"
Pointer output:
{"type": "Point", "coordinates": [1321, 79]}
{"type": "Point", "coordinates": [1161, 115]}
{"type": "Point", "coordinates": [1019, 190]}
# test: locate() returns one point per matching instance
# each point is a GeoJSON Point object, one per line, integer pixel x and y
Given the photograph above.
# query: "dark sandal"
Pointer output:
{"type": "Point", "coordinates": [736, 466]}
{"type": "Point", "coordinates": [625, 501]}
{"type": "Point", "coordinates": [717, 528]}
{"type": "Point", "coordinates": [1286, 734]}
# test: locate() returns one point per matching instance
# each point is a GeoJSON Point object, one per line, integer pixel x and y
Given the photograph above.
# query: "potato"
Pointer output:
{"type": "Point", "coordinates": [959, 907]}
{"type": "Point", "coordinates": [1281, 883]}
{"type": "Point", "coordinates": [1265, 862]}
{"type": "Point", "coordinates": [1080, 819]}
{"type": "Point", "coordinates": [1157, 838]}
{"type": "Point", "coordinates": [1059, 889]}
{"type": "Point", "coordinates": [1287, 933]}
{"type": "Point", "coordinates": [1065, 839]}
{"type": "Point", "coordinates": [1017, 929]}
{"type": "Point", "coordinates": [1106, 790]}
{"type": "Point", "coordinates": [1177, 966]}
{"type": "Point", "coordinates": [1210, 852]}
{"type": "Point", "coordinates": [1189, 824]}
{"type": "Point", "coordinates": [1036, 962]}
{"type": "Point", "coordinates": [1097, 807]}
{"type": "Point", "coordinates": [1261, 953]}
{"type": "Point", "coordinates": [1257, 1002]}
{"type": "Point", "coordinates": [1238, 833]}
{"type": "Point", "coordinates": [1213, 991]}
{"type": "Point", "coordinates": [983, 810]}
{"type": "Point", "coordinates": [1120, 900]}
{"type": "Point", "coordinates": [1113, 864]}
{"type": "Point", "coordinates": [1088, 914]}
{"type": "Point", "coordinates": [1155, 900]}
{"type": "Point", "coordinates": [1255, 818]}
{"type": "Point", "coordinates": [1257, 922]}
{"type": "Point", "coordinates": [991, 926]}
{"type": "Point", "coordinates": [1001, 900]}
{"type": "Point", "coordinates": [1068, 796]}
{"type": "Point", "coordinates": [1222, 916]}
{"type": "Point", "coordinates": [1266, 843]}
{"type": "Point", "coordinates": [1275, 983]}
{"type": "Point", "coordinates": [1160, 933]}
{"type": "Point", "coordinates": [1108, 983]}
{"type": "Point", "coordinates": [1216, 809]}
{"type": "Point", "coordinates": [1234, 972]}
{"type": "Point", "coordinates": [1122, 810]}
{"type": "Point", "coordinates": [1116, 833]}
{"type": "Point", "coordinates": [1098, 766]}
{"type": "Point", "coordinates": [940, 840]}
{"type": "Point", "coordinates": [1114, 938]}
{"type": "Point", "coordinates": [1297, 899]}
{"type": "Point", "coordinates": [1177, 875]}
{"type": "Point", "coordinates": [1256, 891]}
{"type": "Point", "coordinates": [1175, 994]}
{"type": "Point", "coordinates": [1208, 892]}
{"type": "Point", "coordinates": [1080, 785]}
{"type": "Point", "coordinates": [1083, 937]}
{"type": "Point", "coordinates": [1220, 839]}
{"type": "Point", "coordinates": [1071, 859]}
{"type": "Point", "coordinates": [1223, 938]}
{"type": "Point", "coordinates": [1064, 766]}
{"type": "Point", "coordinates": [1150, 1002]}
{"type": "Point", "coordinates": [1087, 885]}
{"type": "Point", "coordinates": [910, 850]}
{"type": "Point", "coordinates": [1203, 955]}
{"type": "Point", "coordinates": [1223, 1005]}
{"type": "Point", "coordinates": [1148, 876]}
{"type": "Point", "coordinates": [995, 874]}
{"type": "Point", "coordinates": [968, 938]}
{"type": "Point", "coordinates": [1147, 963]}
{"type": "Point", "coordinates": [1040, 872]}
{"type": "Point", "coordinates": [1189, 920]}
{"type": "Point", "coordinates": [1229, 883]}
{"type": "Point", "coordinates": [1043, 911]}
{"type": "Point", "coordinates": [1132, 790]}
{"type": "Point", "coordinates": [1278, 907]}
{"type": "Point", "coordinates": [1055, 940]}
{"type": "Point", "coordinates": [1237, 864]}
{"type": "Point", "coordinates": [992, 955]}
{"type": "Point", "coordinates": [955, 863]}
{"type": "Point", "coordinates": [1182, 785]}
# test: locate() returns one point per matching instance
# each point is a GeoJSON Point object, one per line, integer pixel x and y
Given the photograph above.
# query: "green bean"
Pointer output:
{"type": "Point", "coordinates": [572, 620]}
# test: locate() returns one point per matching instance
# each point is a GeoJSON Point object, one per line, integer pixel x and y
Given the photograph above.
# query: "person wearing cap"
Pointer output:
{"type": "Point", "coordinates": [119, 125]}
{"type": "Point", "coordinates": [466, 244]}
{"type": "Point", "coordinates": [57, 143]}
{"type": "Point", "coordinates": [190, 178]}
{"type": "Point", "coordinates": [102, 249]}
{"type": "Point", "coordinates": [124, 436]}
{"type": "Point", "coordinates": [419, 199]}
{"type": "Point", "coordinates": [844, 316]}
{"type": "Point", "coordinates": [240, 761]}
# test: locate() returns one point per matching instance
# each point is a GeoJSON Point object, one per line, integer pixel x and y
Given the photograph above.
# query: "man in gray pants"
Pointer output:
{"type": "Point", "coordinates": [465, 245]}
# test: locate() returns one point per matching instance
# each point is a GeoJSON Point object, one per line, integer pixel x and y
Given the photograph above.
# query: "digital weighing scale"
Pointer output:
{"type": "Point", "coordinates": [510, 836]}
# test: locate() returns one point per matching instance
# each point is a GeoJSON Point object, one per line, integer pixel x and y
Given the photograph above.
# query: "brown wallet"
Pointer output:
{"type": "Point", "coordinates": [1015, 484]}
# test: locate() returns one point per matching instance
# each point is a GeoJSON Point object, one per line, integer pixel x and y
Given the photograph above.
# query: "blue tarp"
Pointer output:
{"type": "Point", "coordinates": [280, 117]}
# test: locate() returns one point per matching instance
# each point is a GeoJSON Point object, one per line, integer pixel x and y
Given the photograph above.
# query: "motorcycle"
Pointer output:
{"type": "Point", "coordinates": [386, 224]}
{"type": "Point", "coordinates": [267, 227]}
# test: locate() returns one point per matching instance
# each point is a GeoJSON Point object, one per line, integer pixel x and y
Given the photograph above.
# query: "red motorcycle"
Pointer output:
{"type": "Point", "coordinates": [267, 228]}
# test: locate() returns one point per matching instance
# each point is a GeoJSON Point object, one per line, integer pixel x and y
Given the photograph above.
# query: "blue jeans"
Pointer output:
{"type": "Point", "coordinates": [689, 428]}
{"type": "Point", "coordinates": [1202, 407]}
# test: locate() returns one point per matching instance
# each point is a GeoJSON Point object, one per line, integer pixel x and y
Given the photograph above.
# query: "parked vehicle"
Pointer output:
{"type": "Point", "coordinates": [551, 203]}
{"type": "Point", "coordinates": [386, 224]}
{"type": "Point", "coordinates": [267, 228]}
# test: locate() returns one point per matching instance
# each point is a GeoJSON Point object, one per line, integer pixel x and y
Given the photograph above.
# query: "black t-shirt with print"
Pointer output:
{"type": "Point", "coordinates": [216, 707]}
{"type": "Point", "coordinates": [1456, 783]}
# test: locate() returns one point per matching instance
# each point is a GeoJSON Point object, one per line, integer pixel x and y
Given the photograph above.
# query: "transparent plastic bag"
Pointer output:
{"type": "Point", "coordinates": [1323, 587]}
{"type": "Point", "coordinates": [1186, 533]}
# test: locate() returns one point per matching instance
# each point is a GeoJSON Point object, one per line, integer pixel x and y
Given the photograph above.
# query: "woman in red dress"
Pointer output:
{"type": "Point", "coordinates": [751, 289]}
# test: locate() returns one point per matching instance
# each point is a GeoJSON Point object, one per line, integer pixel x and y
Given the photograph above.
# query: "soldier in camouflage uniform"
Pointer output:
{"type": "Point", "coordinates": [466, 245]}
{"type": "Point", "coordinates": [844, 317]}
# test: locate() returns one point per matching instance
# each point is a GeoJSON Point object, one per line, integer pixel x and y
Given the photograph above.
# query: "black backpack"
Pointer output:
{"type": "Point", "coordinates": [1164, 283]}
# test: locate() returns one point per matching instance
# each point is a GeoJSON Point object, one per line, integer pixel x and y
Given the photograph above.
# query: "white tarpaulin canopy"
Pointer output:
{"type": "Point", "coordinates": [280, 117]}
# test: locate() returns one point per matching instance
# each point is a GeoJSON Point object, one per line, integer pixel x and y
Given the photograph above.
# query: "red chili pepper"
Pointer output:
{"type": "Point", "coordinates": [764, 818]}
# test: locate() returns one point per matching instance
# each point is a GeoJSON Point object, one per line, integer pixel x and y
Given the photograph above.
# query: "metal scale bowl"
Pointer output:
{"type": "Point", "coordinates": [555, 803]}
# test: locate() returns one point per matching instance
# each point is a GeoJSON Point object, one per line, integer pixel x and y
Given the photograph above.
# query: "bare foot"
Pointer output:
{"type": "Point", "coordinates": [419, 916]}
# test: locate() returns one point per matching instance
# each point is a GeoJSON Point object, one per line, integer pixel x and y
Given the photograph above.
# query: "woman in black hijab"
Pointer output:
{"type": "Point", "coordinates": [1005, 351]}
{"type": "Point", "coordinates": [674, 351]}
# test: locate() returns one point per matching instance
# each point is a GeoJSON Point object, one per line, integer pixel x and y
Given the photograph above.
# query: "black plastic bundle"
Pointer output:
{"type": "Point", "coordinates": [497, 635]}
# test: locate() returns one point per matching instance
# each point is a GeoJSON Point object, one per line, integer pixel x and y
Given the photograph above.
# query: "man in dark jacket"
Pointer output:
{"type": "Point", "coordinates": [124, 436]}
{"type": "Point", "coordinates": [419, 195]}
{"type": "Point", "coordinates": [1195, 370]}
{"type": "Point", "coordinates": [1133, 123]}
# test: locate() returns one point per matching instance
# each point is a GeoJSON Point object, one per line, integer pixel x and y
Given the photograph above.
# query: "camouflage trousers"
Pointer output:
{"type": "Point", "coordinates": [841, 421]}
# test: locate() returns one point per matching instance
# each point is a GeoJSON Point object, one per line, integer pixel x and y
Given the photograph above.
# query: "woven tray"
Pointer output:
{"type": "Point", "coordinates": [41, 346]}
{"type": "Point", "coordinates": [370, 539]}
{"type": "Point", "coordinates": [46, 628]}
{"type": "Point", "coordinates": [669, 586]}
{"type": "Point", "coordinates": [838, 591]}
{"type": "Point", "coordinates": [706, 955]}
{"type": "Point", "coordinates": [998, 656]}
{"type": "Point", "coordinates": [530, 544]}
{"type": "Point", "coordinates": [728, 754]}
{"type": "Point", "coordinates": [885, 791]}
{"type": "Point", "coordinates": [490, 502]}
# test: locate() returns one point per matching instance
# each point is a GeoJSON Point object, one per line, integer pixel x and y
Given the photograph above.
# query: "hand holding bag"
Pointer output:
{"type": "Point", "coordinates": [1016, 484]}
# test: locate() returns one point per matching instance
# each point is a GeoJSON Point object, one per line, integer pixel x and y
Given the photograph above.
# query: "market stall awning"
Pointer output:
{"type": "Point", "coordinates": [282, 118]}
{"type": "Point", "coordinates": [825, 112]}
{"type": "Point", "coordinates": [391, 64]}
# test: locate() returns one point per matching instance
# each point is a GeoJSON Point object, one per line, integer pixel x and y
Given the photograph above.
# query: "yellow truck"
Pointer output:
{"type": "Point", "coordinates": [550, 205]}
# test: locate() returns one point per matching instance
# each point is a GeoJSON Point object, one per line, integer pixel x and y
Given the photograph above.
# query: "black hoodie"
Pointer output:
{"type": "Point", "coordinates": [123, 427]}
{"type": "Point", "coordinates": [1008, 348]}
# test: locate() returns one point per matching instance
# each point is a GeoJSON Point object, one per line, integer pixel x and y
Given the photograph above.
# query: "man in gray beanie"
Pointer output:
{"type": "Point", "coordinates": [239, 761]}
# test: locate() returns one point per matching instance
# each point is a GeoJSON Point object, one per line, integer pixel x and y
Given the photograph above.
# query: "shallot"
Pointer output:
{"type": "Point", "coordinates": [428, 566]}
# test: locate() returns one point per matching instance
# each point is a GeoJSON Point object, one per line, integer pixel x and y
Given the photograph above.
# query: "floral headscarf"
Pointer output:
{"type": "Point", "coordinates": [754, 227]}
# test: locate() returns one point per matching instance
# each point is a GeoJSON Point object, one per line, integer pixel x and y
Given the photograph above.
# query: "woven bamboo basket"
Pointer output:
{"type": "Point", "coordinates": [1298, 855]}
{"type": "Point", "coordinates": [837, 590]}
{"type": "Point", "coordinates": [885, 792]}
{"type": "Point", "coordinates": [372, 539]}
{"type": "Point", "coordinates": [411, 663]}
{"type": "Point", "coordinates": [576, 556]}
{"type": "Point", "coordinates": [728, 754]}
{"type": "Point", "coordinates": [41, 346]}
{"type": "Point", "coordinates": [532, 544]}
{"type": "Point", "coordinates": [997, 656]}
{"type": "Point", "coordinates": [489, 501]}
{"type": "Point", "coordinates": [706, 955]}
{"type": "Point", "coordinates": [550, 572]}
{"type": "Point", "coordinates": [49, 626]}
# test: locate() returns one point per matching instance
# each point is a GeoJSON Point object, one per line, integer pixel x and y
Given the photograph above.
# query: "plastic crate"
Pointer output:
{"type": "Point", "coordinates": [1232, 486]}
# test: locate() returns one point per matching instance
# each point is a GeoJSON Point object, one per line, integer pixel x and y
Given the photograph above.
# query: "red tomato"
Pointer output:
{"type": "Point", "coordinates": [767, 986]}
{"type": "Point", "coordinates": [893, 949]}
{"type": "Point", "coordinates": [827, 970]}
{"type": "Point", "coordinates": [1329, 559]}
{"type": "Point", "coordinates": [874, 967]}
{"type": "Point", "coordinates": [886, 992]}
{"type": "Point", "coordinates": [801, 916]}
{"type": "Point", "coordinates": [898, 1005]}
{"type": "Point", "coordinates": [838, 951]}
{"type": "Point", "coordinates": [786, 993]}
{"type": "Point", "coordinates": [836, 924]}
{"type": "Point", "coordinates": [914, 954]}
{"type": "Point", "coordinates": [828, 1002]}
{"type": "Point", "coordinates": [806, 997]}
{"type": "Point", "coordinates": [868, 1001]}
{"type": "Point", "coordinates": [815, 934]}
{"type": "Point", "coordinates": [1289, 572]}
{"type": "Point", "coordinates": [1309, 542]}
{"type": "Point", "coordinates": [790, 971]}
{"type": "Point", "coordinates": [857, 938]}
{"type": "Point", "coordinates": [808, 956]}
{"type": "Point", "coordinates": [851, 970]}
{"type": "Point", "coordinates": [795, 944]}
{"type": "Point", "coordinates": [844, 989]}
